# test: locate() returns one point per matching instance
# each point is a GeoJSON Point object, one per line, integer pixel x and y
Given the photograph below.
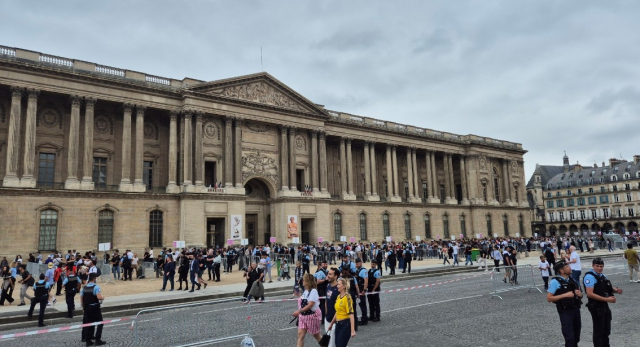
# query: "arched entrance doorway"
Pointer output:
{"type": "Point", "coordinates": [595, 227]}
{"type": "Point", "coordinates": [563, 230]}
{"type": "Point", "coordinates": [257, 224]}
{"type": "Point", "coordinates": [573, 229]}
{"type": "Point", "coordinates": [606, 227]}
{"type": "Point", "coordinates": [620, 228]}
{"type": "Point", "coordinates": [632, 226]}
{"type": "Point", "coordinates": [584, 229]}
{"type": "Point", "coordinates": [553, 230]}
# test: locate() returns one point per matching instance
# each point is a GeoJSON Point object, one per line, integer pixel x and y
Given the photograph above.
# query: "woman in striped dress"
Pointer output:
{"type": "Point", "coordinates": [308, 311]}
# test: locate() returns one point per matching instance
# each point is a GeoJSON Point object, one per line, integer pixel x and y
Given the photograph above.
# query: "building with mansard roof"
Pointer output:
{"type": "Point", "coordinates": [584, 200]}
{"type": "Point", "coordinates": [93, 154]}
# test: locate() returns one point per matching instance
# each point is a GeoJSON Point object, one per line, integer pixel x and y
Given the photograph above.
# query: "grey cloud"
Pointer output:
{"type": "Point", "coordinates": [350, 41]}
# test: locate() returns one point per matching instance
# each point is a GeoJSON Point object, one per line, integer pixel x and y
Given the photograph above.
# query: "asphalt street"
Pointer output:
{"type": "Point", "coordinates": [455, 310]}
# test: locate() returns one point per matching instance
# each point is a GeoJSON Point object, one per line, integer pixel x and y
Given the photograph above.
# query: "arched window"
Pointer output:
{"type": "Point", "coordinates": [489, 226]}
{"type": "Point", "coordinates": [105, 226]}
{"type": "Point", "coordinates": [48, 230]}
{"type": "Point", "coordinates": [156, 224]}
{"type": "Point", "coordinates": [614, 178]}
{"type": "Point", "coordinates": [363, 226]}
{"type": "Point", "coordinates": [463, 225]}
{"type": "Point", "coordinates": [505, 221]}
{"type": "Point", "coordinates": [407, 226]}
{"type": "Point", "coordinates": [445, 226]}
{"type": "Point", "coordinates": [337, 226]}
{"type": "Point", "coordinates": [427, 226]}
{"type": "Point", "coordinates": [521, 225]}
{"type": "Point", "coordinates": [385, 225]}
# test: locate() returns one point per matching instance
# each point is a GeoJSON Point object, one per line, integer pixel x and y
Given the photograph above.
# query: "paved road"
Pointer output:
{"type": "Point", "coordinates": [456, 311]}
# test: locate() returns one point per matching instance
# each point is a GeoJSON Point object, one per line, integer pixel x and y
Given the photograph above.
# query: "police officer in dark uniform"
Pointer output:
{"type": "Point", "coordinates": [41, 296]}
{"type": "Point", "coordinates": [322, 283]}
{"type": "Point", "coordinates": [565, 293]}
{"type": "Point", "coordinates": [408, 256]}
{"type": "Point", "coordinates": [90, 299]}
{"type": "Point", "coordinates": [71, 286]}
{"type": "Point", "coordinates": [373, 287]}
{"type": "Point", "coordinates": [379, 257]}
{"type": "Point", "coordinates": [362, 278]}
{"type": "Point", "coordinates": [391, 258]}
{"type": "Point", "coordinates": [600, 292]}
{"type": "Point", "coordinates": [348, 265]}
{"type": "Point", "coordinates": [305, 261]}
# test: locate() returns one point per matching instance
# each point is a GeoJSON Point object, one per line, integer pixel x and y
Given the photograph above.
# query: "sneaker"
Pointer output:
{"type": "Point", "coordinates": [55, 300]}
{"type": "Point", "coordinates": [21, 304]}
{"type": "Point", "coordinates": [270, 281]}
{"type": "Point", "coordinates": [48, 304]}
{"type": "Point", "coordinates": [100, 343]}
{"type": "Point", "coordinates": [162, 290]}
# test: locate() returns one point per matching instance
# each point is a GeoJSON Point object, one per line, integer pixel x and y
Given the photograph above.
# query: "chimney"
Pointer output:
{"type": "Point", "coordinates": [565, 162]}
{"type": "Point", "coordinates": [595, 166]}
{"type": "Point", "coordinates": [613, 162]}
{"type": "Point", "coordinates": [636, 159]}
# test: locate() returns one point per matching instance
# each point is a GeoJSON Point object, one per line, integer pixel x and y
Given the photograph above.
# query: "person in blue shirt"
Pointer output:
{"type": "Point", "coordinates": [407, 255]}
{"type": "Point", "coordinates": [362, 279]}
{"type": "Point", "coordinates": [90, 299]}
{"type": "Point", "coordinates": [347, 265]}
{"type": "Point", "coordinates": [600, 292]}
{"type": "Point", "coordinates": [71, 285]}
{"type": "Point", "coordinates": [40, 296]}
{"type": "Point", "coordinates": [565, 293]}
{"type": "Point", "coordinates": [374, 292]}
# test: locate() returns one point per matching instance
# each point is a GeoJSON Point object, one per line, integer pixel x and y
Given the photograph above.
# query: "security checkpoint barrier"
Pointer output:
{"type": "Point", "coordinates": [191, 324]}
{"type": "Point", "coordinates": [148, 270]}
{"type": "Point", "coordinates": [106, 276]}
{"type": "Point", "coordinates": [508, 278]}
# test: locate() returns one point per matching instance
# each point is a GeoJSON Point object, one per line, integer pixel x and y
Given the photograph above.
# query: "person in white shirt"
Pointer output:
{"type": "Point", "coordinates": [455, 254]}
{"type": "Point", "coordinates": [574, 264]}
{"type": "Point", "coordinates": [497, 257]}
{"type": "Point", "coordinates": [543, 265]}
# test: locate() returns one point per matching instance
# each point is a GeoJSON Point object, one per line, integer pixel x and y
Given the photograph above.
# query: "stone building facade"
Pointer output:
{"type": "Point", "coordinates": [581, 200]}
{"type": "Point", "coordinates": [93, 154]}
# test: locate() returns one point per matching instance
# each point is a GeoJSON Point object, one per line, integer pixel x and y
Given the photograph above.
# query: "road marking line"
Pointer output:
{"type": "Point", "coordinates": [432, 303]}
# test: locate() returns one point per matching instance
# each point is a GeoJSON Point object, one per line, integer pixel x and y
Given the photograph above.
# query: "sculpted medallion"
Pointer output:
{"type": "Point", "coordinates": [483, 162]}
{"type": "Point", "coordinates": [150, 131]}
{"type": "Point", "coordinates": [101, 124]}
{"type": "Point", "coordinates": [210, 130]}
{"type": "Point", "coordinates": [49, 118]}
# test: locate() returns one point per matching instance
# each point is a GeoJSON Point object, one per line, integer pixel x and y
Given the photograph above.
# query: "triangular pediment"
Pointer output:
{"type": "Point", "coordinates": [260, 88]}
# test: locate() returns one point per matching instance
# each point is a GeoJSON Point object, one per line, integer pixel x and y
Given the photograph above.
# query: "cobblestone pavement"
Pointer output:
{"type": "Point", "coordinates": [456, 311]}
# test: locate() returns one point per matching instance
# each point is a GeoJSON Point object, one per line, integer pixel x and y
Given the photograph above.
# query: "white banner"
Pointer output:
{"type": "Point", "coordinates": [236, 226]}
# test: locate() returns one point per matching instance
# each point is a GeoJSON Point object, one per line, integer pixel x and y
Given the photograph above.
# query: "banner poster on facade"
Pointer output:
{"type": "Point", "coordinates": [292, 226]}
{"type": "Point", "coordinates": [236, 226]}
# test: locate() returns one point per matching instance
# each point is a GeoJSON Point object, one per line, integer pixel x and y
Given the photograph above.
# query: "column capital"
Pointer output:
{"type": "Point", "coordinates": [292, 131]}
{"type": "Point", "coordinates": [16, 91]}
{"type": "Point", "coordinates": [322, 135]}
{"type": "Point", "coordinates": [75, 100]}
{"type": "Point", "coordinates": [187, 115]}
{"type": "Point", "coordinates": [127, 107]}
{"type": "Point", "coordinates": [90, 101]}
{"type": "Point", "coordinates": [237, 121]}
{"type": "Point", "coordinates": [33, 93]}
{"type": "Point", "coordinates": [199, 116]}
{"type": "Point", "coordinates": [348, 139]}
{"type": "Point", "coordinates": [284, 129]}
{"type": "Point", "coordinates": [313, 132]}
{"type": "Point", "coordinates": [228, 121]}
{"type": "Point", "coordinates": [173, 115]}
{"type": "Point", "coordinates": [394, 147]}
{"type": "Point", "coordinates": [140, 109]}
{"type": "Point", "coordinates": [367, 143]}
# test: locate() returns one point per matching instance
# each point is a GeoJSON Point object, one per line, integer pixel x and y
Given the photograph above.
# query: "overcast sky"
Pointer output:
{"type": "Point", "coordinates": [552, 75]}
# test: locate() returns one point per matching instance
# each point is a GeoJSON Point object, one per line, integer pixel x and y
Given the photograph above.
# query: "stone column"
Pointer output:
{"type": "Point", "coordinates": [463, 180]}
{"type": "Point", "coordinates": [323, 163]}
{"type": "Point", "coordinates": [292, 160]}
{"type": "Point", "coordinates": [374, 172]}
{"type": "Point", "coordinates": [284, 159]}
{"type": "Point", "coordinates": [434, 179]}
{"type": "Point", "coordinates": [173, 152]}
{"type": "Point", "coordinates": [125, 180]}
{"type": "Point", "coordinates": [367, 170]}
{"type": "Point", "coordinates": [447, 183]}
{"type": "Point", "coordinates": [343, 167]}
{"type": "Point", "coordinates": [199, 157]}
{"type": "Point", "coordinates": [72, 153]}
{"type": "Point", "coordinates": [427, 158]}
{"type": "Point", "coordinates": [510, 184]}
{"type": "Point", "coordinates": [505, 182]}
{"type": "Point", "coordinates": [28, 180]}
{"type": "Point", "coordinates": [188, 152]}
{"type": "Point", "coordinates": [238, 152]}
{"type": "Point", "coordinates": [87, 163]}
{"type": "Point", "coordinates": [314, 161]}
{"type": "Point", "coordinates": [13, 139]}
{"type": "Point", "coordinates": [394, 159]}
{"type": "Point", "coordinates": [491, 189]}
{"type": "Point", "coordinates": [416, 178]}
{"type": "Point", "coordinates": [452, 185]}
{"type": "Point", "coordinates": [349, 167]}
{"type": "Point", "coordinates": [138, 183]}
{"type": "Point", "coordinates": [409, 152]}
{"type": "Point", "coordinates": [389, 174]}
{"type": "Point", "coordinates": [228, 149]}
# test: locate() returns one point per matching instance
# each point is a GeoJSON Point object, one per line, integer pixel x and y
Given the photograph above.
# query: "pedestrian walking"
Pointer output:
{"type": "Point", "coordinates": [574, 263]}
{"type": "Point", "coordinates": [91, 299]}
{"type": "Point", "coordinates": [543, 265]}
{"type": "Point", "coordinates": [565, 293]}
{"type": "Point", "coordinates": [7, 285]}
{"type": "Point", "coordinates": [344, 319]}
{"type": "Point", "coordinates": [308, 312]}
{"type": "Point", "coordinates": [632, 261]}
{"type": "Point", "coordinates": [71, 286]}
{"type": "Point", "coordinates": [26, 282]}
{"type": "Point", "coordinates": [169, 273]}
{"type": "Point", "coordinates": [600, 293]}
{"type": "Point", "coordinates": [330, 303]}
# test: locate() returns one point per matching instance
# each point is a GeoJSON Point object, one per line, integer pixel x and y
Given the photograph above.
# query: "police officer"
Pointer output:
{"type": "Point", "coordinates": [322, 282]}
{"type": "Point", "coordinates": [600, 292]}
{"type": "Point", "coordinates": [90, 299]}
{"type": "Point", "coordinates": [362, 278]}
{"type": "Point", "coordinates": [305, 261]}
{"type": "Point", "coordinates": [373, 287]}
{"type": "Point", "coordinates": [408, 256]}
{"type": "Point", "coordinates": [391, 258]}
{"type": "Point", "coordinates": [71, 288]}
{"type": "Point", "coordinates": [41, 295]}
{"type": "Point", "coordinates": [347, 265]}
{"type": "Point", "coordinates": [565, 293]}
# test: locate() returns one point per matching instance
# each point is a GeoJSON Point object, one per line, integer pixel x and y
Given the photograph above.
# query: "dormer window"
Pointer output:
{"type": "Point", "coordinates": [571, 175]}
{"type": "Point", "coordinates": [604, 172]}
{"type": "Point", "coordinates": [562, 176]}
{"type": "Point", "coordinates": [579, 183]}
{"type": "Point", "coordinates": [626, 176]}
{"type": "Point", "coordinates": [614, 178]}
{"type": "Point", "coordinates": [615, 169]}
{"type": "Point", "coordinates": [593, 172]}
{"type": "Point", "coordinates": [628, 168]}
{"type": "Point", "coordinates": [580, 175]}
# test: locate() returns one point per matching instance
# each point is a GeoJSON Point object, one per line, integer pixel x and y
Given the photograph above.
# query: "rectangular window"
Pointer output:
{"type": "Point", "coordinates": [46, 170]}
{"type": "Point", "coordinates": [572, 215]}
{"type": "Point", "coordinates": [425, 191]}
{"type": "Point", "coordinates": [630, 211]}
{"type": "Point", "coordinates": [406, 189]}
{"type": "Point", "coordinates": [337, 226]}
{"type": "Point", "coordinates": [552, 217]}
{"type": "Point", "coordinates": [628, 196]}
{"type": "Point", "coordinates": [210, 177]}
{"type": "Point", "coordinates": [615, 187]}
{"type": "Point", "coordinates": [156, 224]}
{"type": "Point", "coordinates": [616, 198]}
{"type": "Point", "coordinates": [300, 180]}
{"type": "Point", "coordinates": [583, 214]}
{"type": "Point", "coordinates": [48, 230]}
{"type": "Point", "coordinates": [549, 204]}
{"type": "Point", "coordinates": [590, 190]}
{"type": "Point", "coordinates": [463, 226]}
{"type": "Point", "coordinates": [549, 195]}
{"type": "Point", "coordinates": [592, 200]}
{"type": "Point", "coordinates": [569, 193]}
{"type": "Point", "coordinates": [602, 189]}
{"type": "Point", "coordinates": [604, 199]}
{"type": "Point", "coordinates": [496, 190]}
{"type": "Point", "coordinates": [442, 193]}
{"type": "Point", "coordinates": [385, 225]}
{"type": "Point", "coordinates": [363, 226]}
{"type": "Point", "coordinates": [580, 201]}
{"type": "Point", "coordinates": [594, 214]}
{"type": "Point", "coordinates": [100, 173]}
{"type": "Point", "coordinates": [147, 174]}
{"type": "Point", "coordinates": [427, 227]}
{"type": "Point", "coordinates": [569, 202]}
{"type": "Point", "coordinates": [559, 203]}
{"type": "Point", "coordinates": [445, 226]}
{"type": "Point", "coordinates": [579, 191]}
{"type": "Point", "coordinates": [484, 192]}
{"type": "Point", "coordinates": [407, 226]}
{"type": "Point", "coordinates": [561, 215]}
{"type": "Point", "coordinates": [619, 212]}
{"type": "Point", "coordinates": [627, 186]}
{"type": "Point", "coordinates": [605, 212]}
{"type": "Point", "coordinates": [105, 226]}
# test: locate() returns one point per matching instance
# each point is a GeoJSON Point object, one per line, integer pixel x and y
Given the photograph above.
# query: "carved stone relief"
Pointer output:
{"type": "Point", "coordinates": [483, 162]}
{"type": "Point", "coordinates": [514, 167]}
{"type": "Point", "coordinates": [103, 124]}
{"type": "Point", "coordinates": [258, 164]}
{"type": "Point", "coordinates": [263, 93]}
{"type": "Point", "coordinates": [301, 143]}
{"type": "Point", "coordinates": [150, 131]}
{"type": "Point", "coordinates": [49, 118]}
{"type": "Point", "coordinates": [258, 127]}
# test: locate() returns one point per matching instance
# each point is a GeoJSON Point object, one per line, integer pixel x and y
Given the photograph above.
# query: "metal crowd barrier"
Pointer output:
{"type": "Point", "coordinates": [508, 278]}
{"type": "Point", "coordinates": [175, 325]}
{"type": "Point", "coordinates": [148, 270]}
{"type": "Point", "coordinates": [106, 275]}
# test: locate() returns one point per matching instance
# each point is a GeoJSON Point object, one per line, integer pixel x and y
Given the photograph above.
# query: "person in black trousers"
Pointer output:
{"type": "Point", "coordinates": [169, 273]}
{"type": "Point", "coordinates": [41, 296]}
{"type": "Point", "coordinates": [183, 271]}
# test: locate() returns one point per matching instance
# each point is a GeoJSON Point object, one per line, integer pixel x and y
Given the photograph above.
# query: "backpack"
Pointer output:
{"type": "Point", "coordinates": [99, 272]}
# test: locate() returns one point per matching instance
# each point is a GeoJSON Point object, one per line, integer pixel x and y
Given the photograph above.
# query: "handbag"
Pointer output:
{"type": "Point", "coordinates": [324, 341]}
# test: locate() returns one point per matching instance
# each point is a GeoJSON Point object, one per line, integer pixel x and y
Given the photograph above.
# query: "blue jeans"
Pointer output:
{"type": "Point", "coordinates": [343, 332]}
{"type": "Point", "coordinates": [166, 278]}
{"type": "Point", "coordinates": [116, 270]}
{"type": "Point", "coordinates": [455, 259]}
{"type": "Point", "coordinates": [468, 259]}
{"type": "Point", "coordinates": [575, 274]}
